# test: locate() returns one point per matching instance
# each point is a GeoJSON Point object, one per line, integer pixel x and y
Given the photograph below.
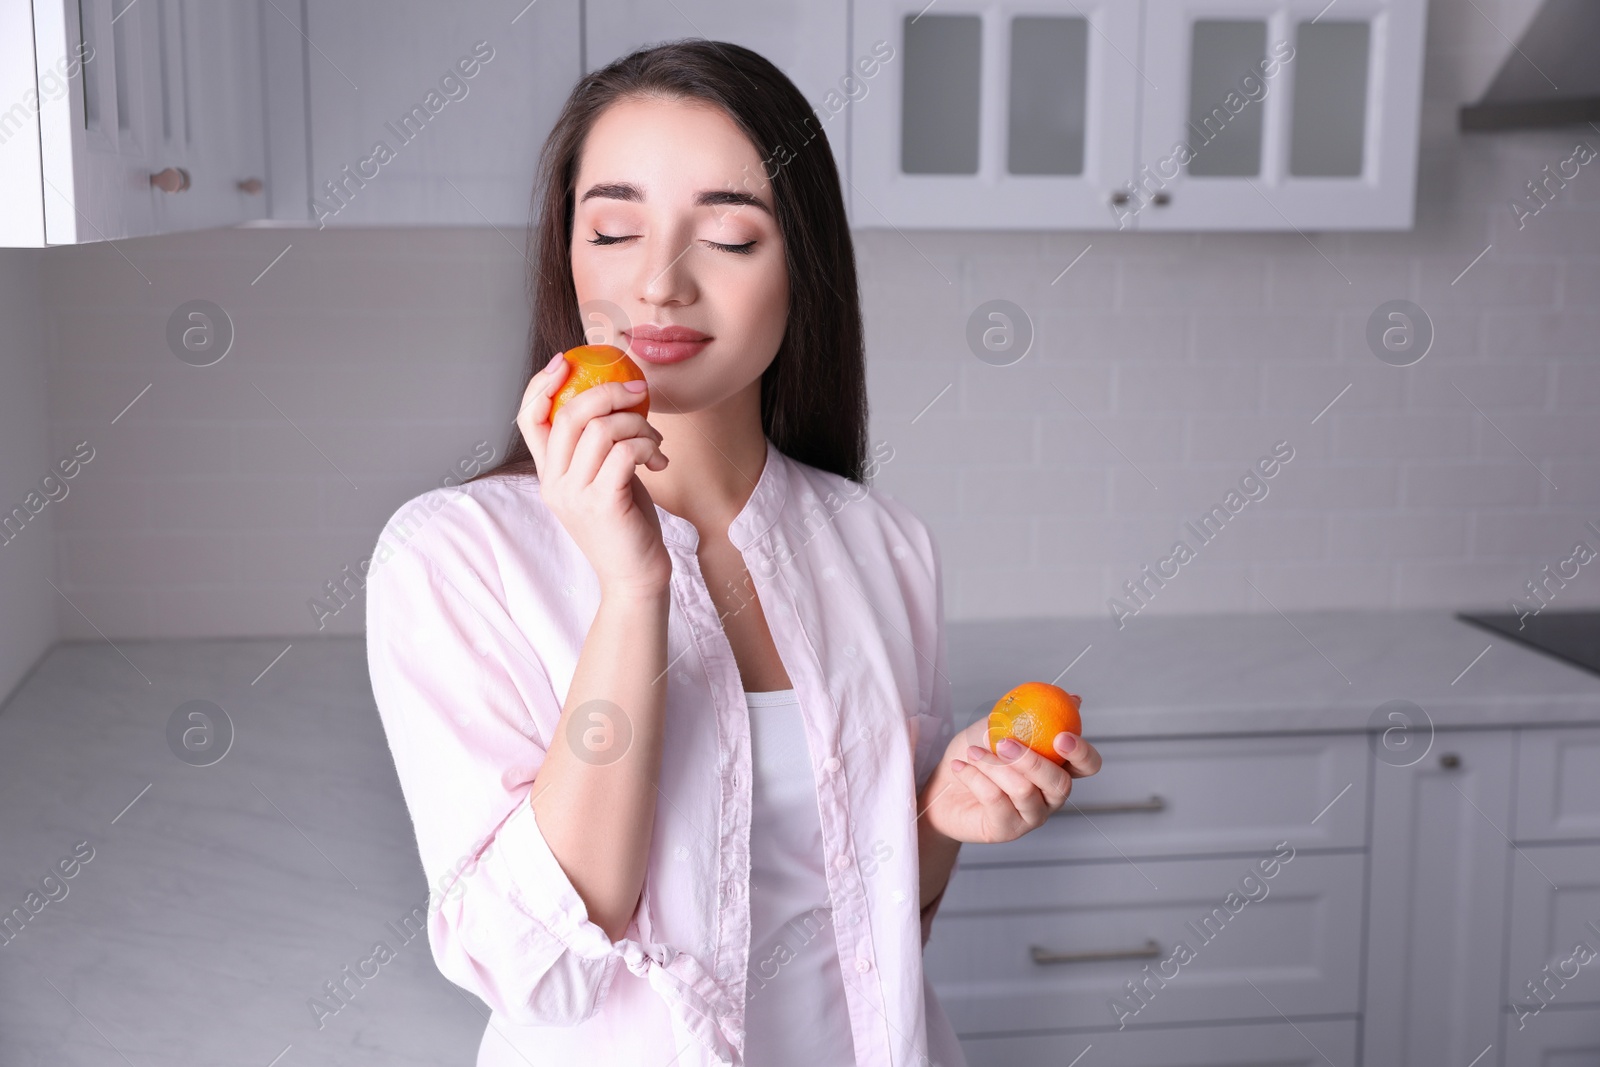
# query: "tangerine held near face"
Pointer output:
{"type": "Point", "coordinates": [1033, 713]}
{"type": "Point", "coordinates": [594, 365]}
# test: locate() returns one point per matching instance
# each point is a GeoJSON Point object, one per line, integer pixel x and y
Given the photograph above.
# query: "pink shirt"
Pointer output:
{"type": "Point", "coordinates": [477, 605]}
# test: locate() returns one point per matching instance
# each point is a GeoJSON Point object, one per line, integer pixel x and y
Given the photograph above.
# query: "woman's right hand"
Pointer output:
{"type": "Point", "coordinates": [586, 457]}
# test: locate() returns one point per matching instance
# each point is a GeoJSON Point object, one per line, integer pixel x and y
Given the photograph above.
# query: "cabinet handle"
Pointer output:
{"type": "Point", "coordinates": [1450, 761]}
{"type": "Point", "coordinates": [1161, 199]}
{"type": "Point", "coordinates": [1119, 198]}
{"type": "Point", "coordinates": [171, 180]}
{"type": "Point", "coordinates": [252, 186]}
{"type": "Point", "coordinates": [1155, 803]}
{"type": "Point", "coordinates": [1149, 950]}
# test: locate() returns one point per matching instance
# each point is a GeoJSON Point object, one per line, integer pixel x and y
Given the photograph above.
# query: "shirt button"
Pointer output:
{"type": "Point", "coordinates": [841, 861]}
{"type": "Point", "coordinates": [863, 965]}
{"type": "Point", "coordinates": [832, 764]}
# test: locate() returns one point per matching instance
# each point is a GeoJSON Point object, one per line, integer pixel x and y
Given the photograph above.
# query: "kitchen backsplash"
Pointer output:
{"type": "Point", "coordinates": [1168, 374]}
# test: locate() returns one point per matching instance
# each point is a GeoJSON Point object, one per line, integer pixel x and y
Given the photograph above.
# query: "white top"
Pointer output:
{"type": "Point", "coordinates": [795, 1009]}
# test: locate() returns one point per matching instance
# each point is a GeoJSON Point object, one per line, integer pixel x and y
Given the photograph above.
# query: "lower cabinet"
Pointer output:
{"type": "Point", "coordinates": [1319, 899]}
{"type": "Point", "coordinates": [1436, 936]}
{"type": "Point", "coordinates": [1313, 1043]}
{"type": "Point", "coordinates": [1149, 942]}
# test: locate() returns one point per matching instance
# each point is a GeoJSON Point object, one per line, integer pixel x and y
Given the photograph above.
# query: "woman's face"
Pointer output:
{"type": "Point", "coordinates": [673, 225]}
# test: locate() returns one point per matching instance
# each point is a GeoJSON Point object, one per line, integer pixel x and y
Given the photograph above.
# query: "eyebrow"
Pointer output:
{"type": "Point", "coordinates": [705, 198]}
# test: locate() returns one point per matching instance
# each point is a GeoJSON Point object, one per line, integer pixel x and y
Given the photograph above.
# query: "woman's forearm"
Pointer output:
{"type": "Point", "coordinates": [936, 854]}
{"type": "Point", "coordinates": [596, 806]}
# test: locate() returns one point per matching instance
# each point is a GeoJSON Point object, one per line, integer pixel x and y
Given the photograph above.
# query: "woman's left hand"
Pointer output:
{"type": "Point", "coordinates": [979, 797]}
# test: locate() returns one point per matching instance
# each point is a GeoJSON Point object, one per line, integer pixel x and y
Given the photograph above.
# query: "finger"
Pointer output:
{"type": "Point", "coordinates": [616, 473]}
{"type": "Point", "coordinates": [1050, 777]}
{"type": "Point", "coordinates": [595, 446]}
{"type": "Point", "coordinates": [979, 784]}
{"type": "Point", "coordinates": [567, 425]}
{"type": "Point", "coordinates": [1023, 794]}
{"type": "Point", "coordinates": [533, 414]}
{"type": "Point", "coordinates": [1083, 759]}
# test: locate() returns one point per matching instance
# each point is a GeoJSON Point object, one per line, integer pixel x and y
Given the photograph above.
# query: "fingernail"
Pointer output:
{"type": "Point", "coordinates": [634, 386]}
{"type": "Point", "coordinates": [1068, 745]}
{"type": "Point", "coordinates": [552, 362]}
{"type": "Point", "coordinates": [1009, 748]}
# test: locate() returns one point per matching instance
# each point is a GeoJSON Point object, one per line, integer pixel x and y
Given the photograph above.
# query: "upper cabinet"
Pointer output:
{"type": "Point", "coordinates": [125, 118]}
{"type": "Point", "coordinates": [1150, 114]}
{"type": "Point", "coordinates": [996, 116]}
{"type": "Point", "coordinates": [121, 118]}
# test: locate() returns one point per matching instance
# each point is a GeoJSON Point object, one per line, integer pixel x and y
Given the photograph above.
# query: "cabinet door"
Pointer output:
{"type": "Point", "coordinates": [996, 114]}
{"type": "Point", "coordinates": [1226, 794]}
{"type": "Point", "coordinates": [1435, 944]}
{"type": "Point", "coordinates": [208, 115]}
{"type": "Point", "coordinates": [1279, 114]}
{"type": "Point", "coordinates": [1553, 1039]}
{"type": "Point", "coordinates": [1276, 1044]}
{"type": "Point", "coordinates": [96, 141]}
{"type": "Point", "coordinates": [403, 134]}
{"type": "Point", "coordinates": [1555, 931]}
{"type": "Point", "coordinates": [1558, 784]}
{"type": "Point", "coordinates": [808, 41]}
{"type": "Point", "coordinates": [1148, 943]}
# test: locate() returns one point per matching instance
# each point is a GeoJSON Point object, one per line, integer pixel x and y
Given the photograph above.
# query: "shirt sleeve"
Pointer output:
{"type": "Point", "coordinates": [454, 679]}
{"type": "Point", "coordinates": [940, 712]}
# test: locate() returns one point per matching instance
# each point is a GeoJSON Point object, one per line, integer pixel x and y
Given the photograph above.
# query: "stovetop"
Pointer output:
{"type": "Point", "coordinates": [1573, 636]}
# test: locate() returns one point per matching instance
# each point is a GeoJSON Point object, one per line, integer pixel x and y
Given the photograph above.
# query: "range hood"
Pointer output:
{"type": "Point", "coordinates": [1551, 77]}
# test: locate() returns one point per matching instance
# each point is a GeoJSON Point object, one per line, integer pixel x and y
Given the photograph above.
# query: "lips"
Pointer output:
{"type": "Point", "coordinates": [664, 344]}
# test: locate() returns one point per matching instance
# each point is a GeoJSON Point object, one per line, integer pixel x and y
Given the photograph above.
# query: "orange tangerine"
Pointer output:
{"type": "Point", "coordinates": [594, 364]}
{"type": "Point", "coordinates": [1033, 713]}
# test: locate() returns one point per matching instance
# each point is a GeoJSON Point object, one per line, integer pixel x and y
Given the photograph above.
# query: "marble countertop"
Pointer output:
{"type": "Point", "coordinates": [1266, 672]}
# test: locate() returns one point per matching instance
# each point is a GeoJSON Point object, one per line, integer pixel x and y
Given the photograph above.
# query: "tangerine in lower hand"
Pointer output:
{"type": "Point", "coordinates": [1033, 713]}
{"type": "Point", "coordinates": [593, 365]}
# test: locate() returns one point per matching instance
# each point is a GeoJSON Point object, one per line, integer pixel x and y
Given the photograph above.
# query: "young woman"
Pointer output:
{"type": "Point", "coordinates": [676, 735]}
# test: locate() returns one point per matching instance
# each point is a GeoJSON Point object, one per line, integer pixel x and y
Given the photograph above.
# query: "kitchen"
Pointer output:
{"type": "Point", "coordinates": [1241, 356]}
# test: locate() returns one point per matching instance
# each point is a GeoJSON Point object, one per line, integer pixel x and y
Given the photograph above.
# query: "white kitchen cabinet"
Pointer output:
{"type": "Point", "coordinates": [1558, 785]}
{"type": "Point", "coordinates": [1553, 1039]}
{"type": "Point", "coordinates": [1096, 945]}
{"type": "Point", "coordinates": [129, 118]}
{"type": "Point", "coordinates": [433, 114]}
{"type": "Point", "coordinates": [1554, 961]}
{"type": "Point", "coordinates": [1310, 1043]}
{"type": "Point", "coordinates": [1271, 115]}
{"type": "Point", "coordinates": [1435, 941]}
{"type": "Point", "coordinates": [809, 42]}
{"type": "Point", "coordinates": [1154, 798]}
{"type": "Point", "coordinates": [1154, 114]}
{"type": "Point", "coordinates": [996, 115]}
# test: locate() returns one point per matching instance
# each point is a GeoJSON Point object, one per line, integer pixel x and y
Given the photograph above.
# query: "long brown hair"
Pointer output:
{"type": "Point", "coordinates": [813, 395]}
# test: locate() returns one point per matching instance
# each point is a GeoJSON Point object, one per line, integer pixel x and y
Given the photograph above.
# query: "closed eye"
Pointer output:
{"type": "Point", "coordinates": [742, 250]}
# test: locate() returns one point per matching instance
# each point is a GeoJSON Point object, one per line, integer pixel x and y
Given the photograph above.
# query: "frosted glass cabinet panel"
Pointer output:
{"type": "Point", "coordinates": [995, 115]}
{"type": "Point", "coordinates": [1278, 115]}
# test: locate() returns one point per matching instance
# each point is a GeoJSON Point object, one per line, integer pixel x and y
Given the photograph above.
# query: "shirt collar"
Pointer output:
{"type": "Point", "coordinates": [754, 519]}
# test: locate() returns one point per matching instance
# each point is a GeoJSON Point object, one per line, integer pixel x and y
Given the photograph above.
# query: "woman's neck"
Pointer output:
{"type": "Point", "coordinates": [716, 463]}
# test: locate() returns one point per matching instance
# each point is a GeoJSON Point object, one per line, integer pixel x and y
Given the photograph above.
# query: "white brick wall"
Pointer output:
{"type": "Point", "coordinates": [368, 362]}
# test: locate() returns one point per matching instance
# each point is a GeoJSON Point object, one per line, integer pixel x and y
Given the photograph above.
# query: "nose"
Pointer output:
{"type": "Point", "coordinates": [669, 271]}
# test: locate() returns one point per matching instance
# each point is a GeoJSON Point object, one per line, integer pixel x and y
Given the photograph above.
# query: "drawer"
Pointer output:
{"type": "Point", "coordinates": [1551, 1039]}
{"type": "Point", "coordinates": [1313, 1044]}
{"type": "Point", "coordinates": [1558, 784]}
{"type": "Point", "coordinates": [1242, 794]}
{"type": "Point", "coordinates": [1056, 946]}
{"type": "Point", "coordinates": [1548, 925]}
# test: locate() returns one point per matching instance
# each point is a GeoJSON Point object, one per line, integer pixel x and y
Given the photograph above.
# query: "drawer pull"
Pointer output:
{"type": "Point", "coordinates": [1155, 803]}
{"type": "Point", "coordinates": [1150, 950]}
